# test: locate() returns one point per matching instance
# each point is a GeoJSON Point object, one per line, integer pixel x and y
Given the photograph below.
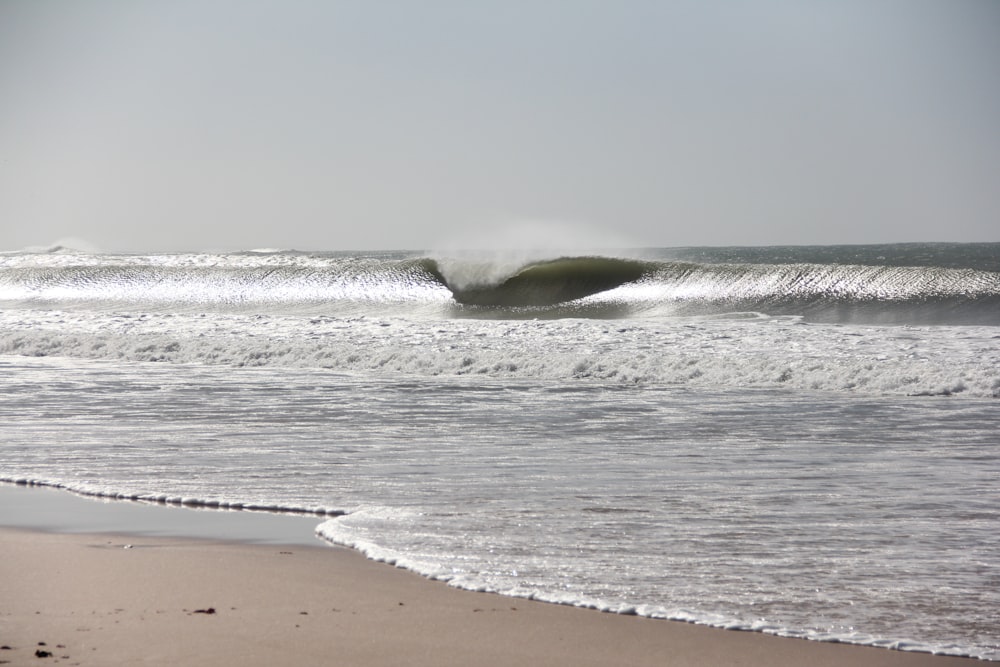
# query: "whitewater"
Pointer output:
{"type": "Point", "coordinates": [799, 441]}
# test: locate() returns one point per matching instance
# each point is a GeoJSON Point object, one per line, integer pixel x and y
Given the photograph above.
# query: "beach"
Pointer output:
{"type": "Point", "coordinates": [789, 442]}
{"type": "Point", "coordinates": [495, 333]}
{"type": "Point", "coordinates": [93, 599]}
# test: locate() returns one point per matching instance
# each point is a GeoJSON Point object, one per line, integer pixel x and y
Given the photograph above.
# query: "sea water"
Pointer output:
{"type": "Point", "coordinates": [801, 441]}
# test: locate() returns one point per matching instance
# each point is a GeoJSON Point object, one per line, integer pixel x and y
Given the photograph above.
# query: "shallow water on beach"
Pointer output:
{"type": "Point", "coordinates": [827, 480]}
{"type": "Point", "coordinates": [798, 513]}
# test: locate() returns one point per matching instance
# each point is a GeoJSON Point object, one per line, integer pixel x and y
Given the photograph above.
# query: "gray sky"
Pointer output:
{"type": "Point", "coordinates": [324, 125]}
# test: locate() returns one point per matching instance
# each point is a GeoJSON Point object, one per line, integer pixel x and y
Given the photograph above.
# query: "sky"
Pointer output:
{"type": "Point", "coordinates": [143, 125]}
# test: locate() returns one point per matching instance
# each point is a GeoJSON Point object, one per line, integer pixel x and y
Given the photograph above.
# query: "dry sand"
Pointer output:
{"type": "Point", "coordinates": [91, 600]}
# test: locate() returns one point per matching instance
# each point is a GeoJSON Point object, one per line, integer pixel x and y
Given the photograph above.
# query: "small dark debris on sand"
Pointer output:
{"type": "Point", "coordinates": [210, 610]}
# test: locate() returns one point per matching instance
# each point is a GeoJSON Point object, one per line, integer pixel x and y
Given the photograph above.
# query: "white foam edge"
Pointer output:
{"type": "Point", "coordinates": [335, 532]}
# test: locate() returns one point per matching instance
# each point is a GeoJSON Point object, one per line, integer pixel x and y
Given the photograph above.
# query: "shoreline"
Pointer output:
{"type": "Point", "coordinates": [36, 506]}
{"type": "Point", "coordinates": [121, 597]}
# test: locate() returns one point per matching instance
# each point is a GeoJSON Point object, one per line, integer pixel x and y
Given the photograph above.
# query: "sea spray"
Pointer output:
{"type": "Point", "coordinates": [489, 254]}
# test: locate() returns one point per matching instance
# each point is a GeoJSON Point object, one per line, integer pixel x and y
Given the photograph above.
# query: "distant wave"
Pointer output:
{"type": "Point", "coordinates": [57, 249]}
{"type": "Point", "coordinates": [64, 245]}
{"type": "Point", "coordinates": [591, 286]}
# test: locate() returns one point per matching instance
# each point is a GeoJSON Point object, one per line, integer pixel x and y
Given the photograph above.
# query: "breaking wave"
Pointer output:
{"type": "Point", "coordinates": [592, 286]}
{"type": "Point", "coordinates": [545, 283]}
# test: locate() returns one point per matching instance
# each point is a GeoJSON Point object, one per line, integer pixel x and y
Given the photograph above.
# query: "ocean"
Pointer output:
{"type": "Point", "coordinates": [794, 440]}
